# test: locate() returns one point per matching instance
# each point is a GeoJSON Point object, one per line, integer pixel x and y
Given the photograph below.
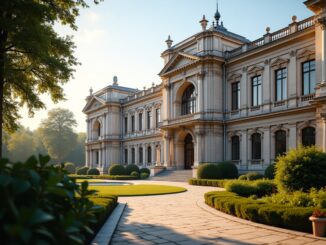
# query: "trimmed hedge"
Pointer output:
{"type": "Point", "coordinates": [82, 170]}
{"type": "Point", "coordinates": [222, 170]}
{"type": "Point", "coordinates": [270, 172]}
{"type": "Point", "coordinates": [135, 174]}
{"type": "Point", "coordinates": [117, 169]}
{"type": "Point", "coordinates": [104, 176]}
{"type": "Point", "coordinates": [93, 171]}
{"type": "Point", "coordinates": [144, 175]}
{"type": "Point", "coordinates": [145, 170]}
{"type": "Point", "coordinates": [207, 182]}
{"type": "Point", "coordinates": [251, 176]}
{"type": "Point", "coordinates": [295, 218]}
{"type": "Point", "coordinates": [245, 188]}
{"type": "Point", "coordinates": [131, 168]}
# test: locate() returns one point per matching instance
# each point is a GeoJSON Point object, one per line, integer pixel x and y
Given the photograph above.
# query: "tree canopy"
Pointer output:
{"type": "Point", "coordinates": [57, 133]}
{"type": "Point", "coordinates": [34, 59]}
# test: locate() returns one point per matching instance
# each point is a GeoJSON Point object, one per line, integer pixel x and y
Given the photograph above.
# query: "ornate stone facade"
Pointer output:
{"type": "Point", "coordinates": [222, 97]}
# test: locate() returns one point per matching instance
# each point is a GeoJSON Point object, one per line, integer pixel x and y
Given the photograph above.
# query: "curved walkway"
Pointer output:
{"type": "Point", "coordinates": [177, 219]}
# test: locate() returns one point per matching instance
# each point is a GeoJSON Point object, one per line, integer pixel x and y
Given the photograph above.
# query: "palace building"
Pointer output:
{"type": "Point", "coordinates": [222, 98]}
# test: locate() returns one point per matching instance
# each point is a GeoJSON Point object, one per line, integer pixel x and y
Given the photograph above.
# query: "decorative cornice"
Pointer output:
{"type": "Point", "coordinates": [322, 22]}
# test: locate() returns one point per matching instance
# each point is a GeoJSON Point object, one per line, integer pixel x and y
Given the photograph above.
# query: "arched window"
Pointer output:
{"type": "Point", "coordinates": [149, 154]}
{"type": "Point", "coordinates": [188, 103]}
{"type": "Point", "coordinates": [308, 136]}
{"type": "Point", "coordinates": [235, 149]}
{"type": "Point", "coordinates": [280, 142]}
{"type": "Point", "coordinates": [256, 146]}
{"type": "Point", "coordinates": [97, 129]}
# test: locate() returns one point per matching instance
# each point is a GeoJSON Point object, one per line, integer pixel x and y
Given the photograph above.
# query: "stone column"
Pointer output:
{"type": "Point", "coordinates": [86, 157]}
{"type": "Point", "coordinates": [266, 93]}
{"type": "Point", "coordinates": [199, 147]}
{"type": "Point", "coordinates": [292, 80]}
{"type": "Point", "coordinates": [200, 92]}
{"type": "Point", "coordinates": [136, 121]}
{"type": "Point", "coordinates": [179, 148]}
{"type": "Point", "coordinates": [166, 149]}
{"type": "Point", "coordinates": [153, 117]}
{"type": "Point", "coordinates": [292, 136]}
{"type": "Point", "coordinates": [244, 103]}
{"type": "Point", "coordinates": [166, 98]}
{"type": "Point", "coordinates": [322, 47]}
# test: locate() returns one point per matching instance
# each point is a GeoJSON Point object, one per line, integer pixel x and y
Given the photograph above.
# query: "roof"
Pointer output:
{"type": "Point", "coordinates": [221, 29]}
{"type": "Point", "coordinates": [132, 90]}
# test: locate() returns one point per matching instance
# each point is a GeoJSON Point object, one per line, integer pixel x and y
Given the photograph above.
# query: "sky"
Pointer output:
{"type": "Point", "coordinates": [126, 38]}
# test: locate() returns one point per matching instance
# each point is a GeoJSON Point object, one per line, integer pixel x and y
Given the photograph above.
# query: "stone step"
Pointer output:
{"type": "Point", "coordinates": [173, 175]}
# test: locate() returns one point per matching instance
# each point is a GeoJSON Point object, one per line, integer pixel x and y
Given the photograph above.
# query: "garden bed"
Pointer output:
{"type": "Point", "coordinates": [294, 218]}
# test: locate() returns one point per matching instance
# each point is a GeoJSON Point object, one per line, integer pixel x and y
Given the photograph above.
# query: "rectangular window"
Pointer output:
{"type": "Point", "coordinates": [308, 77]}
{"type": "Point", "coordinates": [235, 96]}
{"type": "Point", "coordinates": [126, 125]}
{"type": "Point", "coordinates": [256, 91]}
{"type": "Point", "coordinates": [140, 121]}
{"type": "Point", "coordinates": [126, 156]}
{"type": "Point", "coordinates": [158, 116]}
{"type": "Point", "coordinates": [133, 155]}
{"type": "Point", "coordinates": [280, 84]}
{"type": "Point", "coordinates": [132, 123]}
{"type": "Point", "coordinates": [149, 119]}
{"type": "Point", "coordinates": [140, 155]}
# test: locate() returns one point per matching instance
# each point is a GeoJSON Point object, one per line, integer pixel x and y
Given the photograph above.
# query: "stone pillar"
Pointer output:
{"type": "Point", "coordinates": [153, 117]}
{"type": "Point", "coordinates": [86, 157]}
{"type": "Point", "coordinates": [199, 147]}
{"type": "Point", "coordinates": [292, 80]}
{"type": "Point", "coordinates": [145, 155]}
{"type": "Point", "coordinates": [292, 136]}
{"type": "Point", "coordinates": [129, 154]}
{"type": "Point", "coordinates": [166, 98]}
{"type": "Point", "coordinates": [179, 148]}
{"type": "Point", "coordinates": [166, 149]}
{"type": "Point", "coordinates": [244, 103]}
{"type": "Point", "coordinates": [322, 47]}
{"type": "Point", "coordinates": [200, 92]}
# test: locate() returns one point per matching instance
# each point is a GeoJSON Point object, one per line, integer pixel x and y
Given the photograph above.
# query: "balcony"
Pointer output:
{"type": "Point", "coordinates": [307, 97]}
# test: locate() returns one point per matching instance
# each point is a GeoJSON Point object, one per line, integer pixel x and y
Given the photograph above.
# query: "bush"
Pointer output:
{"type": "Point", "coordinates": [131, 168]}
{"type": "Point", "coordinates": [207, 182]}
{"type": "Point", "coordinates": [70, 167]}
{"type": "Point", "coordinates": [82, 170]}
{"type": "Point", "coordinates": [254, 176]}
{"type": "Point", "coordinates": [248, 188]}
{"type": "Point", "coordinates": [135, 174]}
{"type": "Point", "coordinates": [301, 169]}
{"type": "Point", "coordinates": [227, 170]}
{"type": "Point", "coordinates": [223, 170]}
{"type": "Point", "coordinates": [40, 205]}
{"type": "Point", "coordinates": [93, 171]}
{"type": "Point", "coordinates": [243, 177]}
{"type": "Point", "coordinates": [207, 171]}
{"type": "Point", "coordinates": [117, 169]}
{"type": "Point", "coordinates": [145, 170]}
{"type": "Point", "coordinates": [277, 215]}
{"type": "Point", "coordinates": [270, 172]}
{"type": "Point", "coordinates": [144, 175]}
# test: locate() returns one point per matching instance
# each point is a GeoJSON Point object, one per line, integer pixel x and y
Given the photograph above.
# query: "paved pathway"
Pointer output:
{"type": "Point", "coordinates": [176, 219]}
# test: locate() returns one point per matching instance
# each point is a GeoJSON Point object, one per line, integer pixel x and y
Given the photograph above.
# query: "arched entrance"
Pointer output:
{"type": "Point", "coordinates": [189, 152]}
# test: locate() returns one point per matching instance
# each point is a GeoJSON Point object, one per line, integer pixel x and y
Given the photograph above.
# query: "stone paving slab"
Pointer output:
{"type": "Point", "coordinates": [177, 219]}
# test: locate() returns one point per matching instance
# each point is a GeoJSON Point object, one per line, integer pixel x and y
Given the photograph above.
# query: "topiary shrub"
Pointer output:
{"type": "Point", "coordinates": [270, 172]}
{"type": "Point", "coordinates": [135, 174]}
{"type": "Point", "coordinates": [301, 169]}
{"type": "Point", "coordinates": [243, 177]}
{"type": "Point", "coordinates": [254, 176]}
{"type": "Point", "coordinates": [131, 168]}
{"type": "Point", "coordinates": [82, 170]}
{"type": "Point", "coordinates": [241, 188]}
{"type": "Point", "coordinates": [117, 169]}
{"type": "Point", "coordinates": [70, 167]}
{"type": "Point", "coordinates": [93, 171]}
{"type": "Point", "coordinates": [145, 170]}
{"type": "Point", "coordinates": [208, 171]}
{"type": "Point", "coordinates": [227, 170]}
{"type": "Point", "coordinates": [144, 175]}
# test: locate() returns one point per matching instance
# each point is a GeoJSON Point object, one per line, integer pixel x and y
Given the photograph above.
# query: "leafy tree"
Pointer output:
{"type": "Point", "coordinates": [34, 59]}
{"type": "Point", "coordinates": [77, 155]}
{"type": "Point", "coordinates": [57, 133]}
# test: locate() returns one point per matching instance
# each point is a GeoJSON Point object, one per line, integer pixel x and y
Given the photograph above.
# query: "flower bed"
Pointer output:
{"type": "Point", "coordinates": [295, 218]}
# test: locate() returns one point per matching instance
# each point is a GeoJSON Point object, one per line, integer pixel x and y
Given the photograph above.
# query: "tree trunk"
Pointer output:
{"type": "Point", "coordinates": [3, 39]}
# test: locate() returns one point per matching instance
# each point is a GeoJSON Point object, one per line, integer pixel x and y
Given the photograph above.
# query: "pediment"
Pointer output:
{"type": "Point", "coordinates": [234, 77]}
{"type": "Point", "coordinates": [94, 103]}
{"type": "Point", "coordinates": [306, 53]}
{"type": "Point", "coordinates": [279, 61]}
{"type": "Point", "coordinates": [178, 61]}
{"type": "Point", "coordinates": [255, 69]}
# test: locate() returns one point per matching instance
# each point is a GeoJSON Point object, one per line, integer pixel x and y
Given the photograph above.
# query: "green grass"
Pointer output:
{"type": "Point", "coordinates": [91, 180]}
{"type": "Point", "coordinates": [136, 190]}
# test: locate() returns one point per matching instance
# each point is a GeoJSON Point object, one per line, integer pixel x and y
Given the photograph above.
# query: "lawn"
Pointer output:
{"type": "Point", "coordinates": [136, 190]}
